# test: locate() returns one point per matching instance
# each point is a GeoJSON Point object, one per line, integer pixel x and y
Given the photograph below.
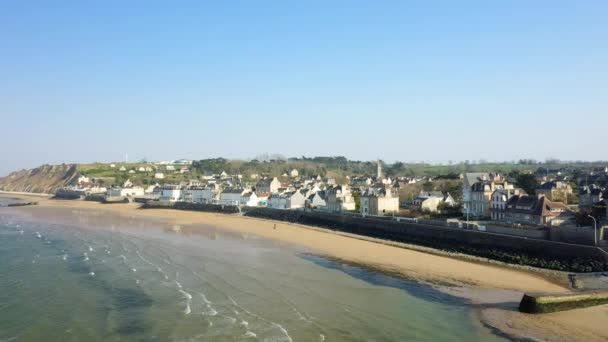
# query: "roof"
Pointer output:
{"type": "Point", "coordinates": [233, 191]}
{"type": "Point", "coordinates": [431, 194]}
{"type": "Point", "coordinates": [532, 205]}
{"type": "Point", "coordinates": [265, 182]}
{"type": "Point", "coordinates": [471, 178]}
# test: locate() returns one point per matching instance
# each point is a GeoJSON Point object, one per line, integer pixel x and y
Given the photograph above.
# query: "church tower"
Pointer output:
{"type": "Point", "coordinates": [379, 175]}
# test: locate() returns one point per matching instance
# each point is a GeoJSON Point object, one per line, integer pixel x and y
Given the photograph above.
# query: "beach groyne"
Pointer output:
{"type": "Point", "coordinates": [506, 248]}
{"type": "Point", "coordinates": [545, 303]}
{"type": "Point", "coordinates": [210, 208]}
{"type": "Point", "coordinates": [21, 204]}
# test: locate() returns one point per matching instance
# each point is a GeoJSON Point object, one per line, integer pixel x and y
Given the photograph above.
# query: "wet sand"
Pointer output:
{"type": "Point", "coordinates": [494, 289]}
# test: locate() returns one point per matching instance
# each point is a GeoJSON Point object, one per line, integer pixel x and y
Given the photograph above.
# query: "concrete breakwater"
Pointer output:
{"type": "Point", "coordinates": [510, 249]}
{"type": "Point", "coordinates": [544, 303]}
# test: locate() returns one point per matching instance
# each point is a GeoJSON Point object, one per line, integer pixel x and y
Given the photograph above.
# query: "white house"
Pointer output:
{"type": "Point", "coordinates": [83, 179]}
{"type": "Point", "coordinates": [201, 194]}
{"type": "Point", "coordinates": [159, 175]}
{"type": "Point", "coordinates": [122, 168]}
{"type": "Point", "coordinates": [170, 193]}
{"type": "Point", "coordinates": [141, 169]}
{"type": "Point", "coordinates": [150, 189]}
{"type": "Point", "coordinates": [170, 168]}
{"type": "Point", "coordinates": [317, 200]}
{"type": "Point", "coordinates": [294, 173]}
{"type": "Point", "coordinates": [131, 171]}
{"type": "Point", "coordinates": [112, 165]}
{"type": "Point", "coordinates": [125, 192]}
{"type": "Point", "coordinates": [250, 199]}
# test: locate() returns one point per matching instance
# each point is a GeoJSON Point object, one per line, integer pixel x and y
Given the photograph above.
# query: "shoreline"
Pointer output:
{"type": "Point", "coordinates": [494, 288]}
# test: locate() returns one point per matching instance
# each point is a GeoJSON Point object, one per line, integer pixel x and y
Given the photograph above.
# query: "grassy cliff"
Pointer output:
{"type": "Point", "coordinates": [43, 179]}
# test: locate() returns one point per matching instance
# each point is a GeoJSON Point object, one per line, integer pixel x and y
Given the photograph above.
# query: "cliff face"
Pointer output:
{"type": "Point", "coordinates": [43, 179]}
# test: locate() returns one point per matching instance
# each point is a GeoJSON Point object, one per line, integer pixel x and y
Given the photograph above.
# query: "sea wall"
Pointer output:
{"type": "Point", "coordinates": [579, 235]}
{"type": "Point", "coordinates": [531, 233]}
{"type": "Point", "coordinates": [508, 248]}
{"type": "Point", "coordinates": [213, 208]}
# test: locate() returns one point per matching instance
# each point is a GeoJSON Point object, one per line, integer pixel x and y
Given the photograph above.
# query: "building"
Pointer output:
{"type": "Point", "coordinates": [556, 191]}
{"type": "Point", "coordinates": [379, 175]}
{"type": "Point", "coordinates": [535, 210]}
{"type": "Point", "coordinates": [202, 194]}
{"type": "Point", "coordinates": [429, 201]}
{"type": "Point", "coordinates": [294, 173]}
{"type": "Point", "coordinates": [170, 193]}
{"type": "Point", "coordinates": [287, 200]}
{"type": "Point", "coordinates": [477, 192]}
{"type": "Point", "coordinates": [125, 192]}
{"type": "Point", "coordinates": [317, 200]}
{"type": "Point", "coordinates": [250, 199]}
{"type": "Point", "coordinates": [361, 181]}
{"type": "Point", "coordinates": [83, 180]}
{"type": "Point", "coordinates": [499, 199]}
{"type": "Point", "coordinates": [195, 182]}
{"type": "Point", "coordinates": [424, 195]}
{"type": "Point", "coordinates": [589, 195]}
{"type": "Point", "coordinates": [379, 202]}
{"type": "Point", "coordinates": [271, 185]}
{"type": "Point", "coordinates": [340, 198]}
{"type": "Point", "coordinates": [182, 162]}
{"type": "Point", "coordinates": [231, 196]}
{"type": "Point", "coordinates": [263, 198]}
{"type": "Point", "coordinates": [470, 179]}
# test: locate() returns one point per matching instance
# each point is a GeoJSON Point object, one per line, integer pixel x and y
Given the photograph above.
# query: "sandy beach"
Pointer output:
{"type": "Point", "coordinates": [495, 289]}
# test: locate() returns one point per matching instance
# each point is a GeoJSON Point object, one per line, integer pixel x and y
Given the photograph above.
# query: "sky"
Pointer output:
{"type": "Point", "coordinates": [434, 81]}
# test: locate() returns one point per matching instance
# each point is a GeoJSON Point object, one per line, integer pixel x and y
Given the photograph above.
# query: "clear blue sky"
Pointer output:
{"type": "Point", "coordinates": [400, 80]}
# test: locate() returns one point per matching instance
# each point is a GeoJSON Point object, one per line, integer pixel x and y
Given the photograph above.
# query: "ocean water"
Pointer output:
{"type": "Point", "coordinates": [70, 275]}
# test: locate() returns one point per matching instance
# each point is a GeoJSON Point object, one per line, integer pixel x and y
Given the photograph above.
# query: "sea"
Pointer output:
{"type": "Point", "coordinates": [86, 275]}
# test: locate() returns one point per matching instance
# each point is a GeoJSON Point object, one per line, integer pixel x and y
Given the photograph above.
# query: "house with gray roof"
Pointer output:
{"type": "Point", "coordinates": [271, 185]}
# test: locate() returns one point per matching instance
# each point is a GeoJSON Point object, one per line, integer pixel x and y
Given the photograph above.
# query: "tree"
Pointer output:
{"type": "Point", "coordinates": [526, 181]}
{"type": "Point", "coordinates": [357, 197]}
{"type": "Point", "coordinates": [427, 186]}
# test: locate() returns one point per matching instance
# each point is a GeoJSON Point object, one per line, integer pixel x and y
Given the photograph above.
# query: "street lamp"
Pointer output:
{"type": "Point", "coordinates": [594, 229]}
